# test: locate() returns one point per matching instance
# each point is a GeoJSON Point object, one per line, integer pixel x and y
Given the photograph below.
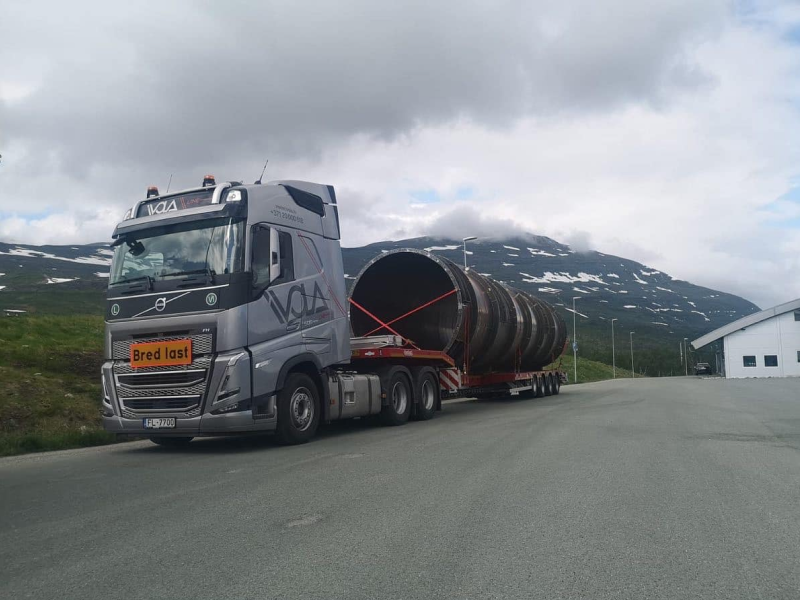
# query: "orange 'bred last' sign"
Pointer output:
{"type": "Point", "coordinates": [161, 354]}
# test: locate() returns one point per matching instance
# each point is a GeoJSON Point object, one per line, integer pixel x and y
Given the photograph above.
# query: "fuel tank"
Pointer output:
{"type": "Point", "coordinates": [437, 305]}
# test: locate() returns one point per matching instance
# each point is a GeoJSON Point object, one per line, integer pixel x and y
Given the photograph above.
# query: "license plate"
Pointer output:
{"type": "Point", "coordinates": [161, 354]}
{"type": "Point", "coordinates": [159, 423]}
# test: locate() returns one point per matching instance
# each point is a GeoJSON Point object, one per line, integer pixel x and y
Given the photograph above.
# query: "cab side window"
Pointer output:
{"type": "Point", "coordinates": [287, 258]}
{"type": "Point", "coordinates": [260, 263]}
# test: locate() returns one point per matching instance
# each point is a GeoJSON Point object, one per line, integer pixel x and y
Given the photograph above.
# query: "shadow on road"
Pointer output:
{"type": "Point", "coordinates": [249, 442]}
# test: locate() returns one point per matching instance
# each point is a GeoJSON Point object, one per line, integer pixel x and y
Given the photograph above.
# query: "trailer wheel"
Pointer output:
{"type": "Point", "coordinates": [171, 442]}
{"type": "Point", "coordinates": [298, 410]}
{"type": "Point", "coordinates": [398, 392]}
{"type": "Point", "coordinates": [548, 385]}
{"type": "Point", "coordinates": [556, 385]}
{"type": "Point", "coordinates": [539, 387]}
{"type": "Point", "coordinates": [426, 392]}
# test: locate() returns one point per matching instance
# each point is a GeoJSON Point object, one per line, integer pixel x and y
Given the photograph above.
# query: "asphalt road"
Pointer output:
{"type": "Point", "coordinates": [681, 488]}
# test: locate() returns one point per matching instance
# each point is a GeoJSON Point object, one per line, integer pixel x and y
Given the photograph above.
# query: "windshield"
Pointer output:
{"type": "Point", "coordinates": [215, 246]}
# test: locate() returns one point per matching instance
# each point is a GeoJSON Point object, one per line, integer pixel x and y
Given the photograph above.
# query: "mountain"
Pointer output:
{"type": "Point", "coordinates": [661, 310]}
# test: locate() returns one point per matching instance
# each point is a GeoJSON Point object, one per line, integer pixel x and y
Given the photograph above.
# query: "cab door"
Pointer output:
{"type": "Point", "coordinates": [274, 316]}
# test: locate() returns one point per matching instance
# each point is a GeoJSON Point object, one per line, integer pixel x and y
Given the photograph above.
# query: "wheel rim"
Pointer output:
{"type": "Point", "coordinates": [301, 409]}
{"type": "Point", "coordinates": [399, 398]}
{"type": "Point", "coordinates": [427, 395]}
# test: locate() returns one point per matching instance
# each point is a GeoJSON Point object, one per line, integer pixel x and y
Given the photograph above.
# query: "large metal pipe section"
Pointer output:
{"type": "Point", "coordinates": [503, 329]}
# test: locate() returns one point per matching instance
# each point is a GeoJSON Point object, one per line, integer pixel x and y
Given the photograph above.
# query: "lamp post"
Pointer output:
{"type": "Point", "coordinates": [574, 339]}
{"type": "Point", "coordinates": [633, 371]}
{"type": "Point", "coordinates": [613, 352]}
{"type": "Point", "coordinates": [464, 241]}
{"type": "Point", "coordinates": [686, 356]}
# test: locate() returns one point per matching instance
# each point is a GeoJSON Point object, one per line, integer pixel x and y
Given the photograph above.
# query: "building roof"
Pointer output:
{"type": "Point", "coordinates": [746, 322]}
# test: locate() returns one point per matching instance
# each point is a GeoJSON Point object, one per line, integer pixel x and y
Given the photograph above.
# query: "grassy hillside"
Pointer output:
{"type": "Point", "coordinates": [589, 370]}
{"type": "Point", "coordinates": [49, 371]}
{"type": "Point", "coordinates": [50, 377]}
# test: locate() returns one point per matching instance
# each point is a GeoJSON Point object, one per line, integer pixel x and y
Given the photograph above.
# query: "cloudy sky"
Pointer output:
{"type": "Point", "coordinates": [665, 131]}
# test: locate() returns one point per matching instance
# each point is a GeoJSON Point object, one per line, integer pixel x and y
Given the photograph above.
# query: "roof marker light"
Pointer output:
{"type": "Point", "coordinates": [152, 191]}
{"type": "Point", "coordinates": [209, 181]}
{"type": "Point", "coordinates": [234, 196]}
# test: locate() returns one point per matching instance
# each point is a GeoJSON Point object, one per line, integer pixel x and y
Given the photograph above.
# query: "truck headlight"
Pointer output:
{"type": "Point", "coordinates": [229, 386]}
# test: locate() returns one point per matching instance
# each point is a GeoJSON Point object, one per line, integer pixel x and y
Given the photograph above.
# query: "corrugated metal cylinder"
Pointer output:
{"type": "Point", "coordinates": [507, 329]}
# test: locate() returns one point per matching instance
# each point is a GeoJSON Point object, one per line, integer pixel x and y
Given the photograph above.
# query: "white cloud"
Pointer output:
{"type": "Point", "coordinates": [660, 131]}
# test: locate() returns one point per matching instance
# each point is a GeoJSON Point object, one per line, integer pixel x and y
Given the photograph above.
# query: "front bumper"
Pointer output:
{"type": "Point", "coordinates": [204, 425]}
{"type": "Point", "coordinates": [226, 386]}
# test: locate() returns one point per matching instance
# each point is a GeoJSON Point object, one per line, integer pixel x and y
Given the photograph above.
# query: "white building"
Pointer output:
{"type": "Point", "coordinates": [764, 344]}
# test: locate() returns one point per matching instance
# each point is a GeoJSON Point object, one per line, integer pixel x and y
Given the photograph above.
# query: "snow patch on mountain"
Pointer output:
{"type": "Point", "coordinates": [537, 252]}
{"type": "Point", "coordinates": [51, 280]}
{"type": "Point", "coordinates": [562, 277]}
{"type": "Point", "coordinates": [432, 248]}
{"type": "Point", "coordinates": [511, 248]}
{"type": "Point", "coordinates": [86, 260]}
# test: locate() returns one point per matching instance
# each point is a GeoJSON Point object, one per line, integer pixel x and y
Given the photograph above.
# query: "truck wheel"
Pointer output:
{"type": "Point", "coordinates": [171, 442]}
{"type": "Point", "coordinates": [298, 410]}
{"type": "Point", "coordinates": [548, 385]}
{"type": "Point", "coordinates": [426, 391]}
{"type": "Point", "coordinates": [540, 387]}
{"type": "Point", "coordinates": [398, 391]}
{"type": "Point", "coordinates": [556, 385]}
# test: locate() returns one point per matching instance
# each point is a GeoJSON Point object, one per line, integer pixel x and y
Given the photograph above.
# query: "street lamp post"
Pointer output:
{"type": "Point", "coordinates": [633, 371]}
{"type": "Point", "coordinates": [613, 352]}
{"type": "Point", "coordinates": [574, 339]}
{"type": "Point", "coordinates": [686, 356]}
{"type": "Point", "coordinates": [464, 241]}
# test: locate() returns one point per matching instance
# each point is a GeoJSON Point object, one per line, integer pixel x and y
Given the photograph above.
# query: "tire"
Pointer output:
{"type": "Point", "coordinates": [398, 392]}
{"type": "Point", "coordinates": [556, 385]}
{"type": "Point", "coordinates": [540, 391]}
{"type": "Point", "coordinates": [548, 385]}
{"type": "Point", "coordinates": [426, 392]}
{"type": "Point", "coordinates": [298, 410]}
{"type": "Point", "coordinates": [171, 442]}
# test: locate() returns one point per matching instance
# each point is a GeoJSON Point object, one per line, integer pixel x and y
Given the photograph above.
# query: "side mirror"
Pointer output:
{"type": "Point", "coordinates": [274, 256]}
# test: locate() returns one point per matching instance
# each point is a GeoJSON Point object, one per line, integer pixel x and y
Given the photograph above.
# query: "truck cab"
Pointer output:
{"type": "Point", "coordinates": [218, 296]}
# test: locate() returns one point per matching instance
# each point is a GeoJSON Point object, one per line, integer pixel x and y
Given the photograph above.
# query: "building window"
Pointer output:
{"type": "Point", "coordinates": [771, 360]}
{"type": "Point", "coordinates": [749, 361]}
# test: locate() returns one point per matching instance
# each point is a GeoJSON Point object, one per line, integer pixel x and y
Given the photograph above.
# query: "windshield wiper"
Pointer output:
{"type": "Point", "coordinates": [135, 279]}
{"type": "Point", "coordinates": [136, 284]}
{"type": "Point", "coordinates": [209, 273]}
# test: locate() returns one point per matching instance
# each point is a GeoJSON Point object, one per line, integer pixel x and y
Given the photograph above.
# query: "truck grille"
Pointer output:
{"type": "Point", "coordinates": [202, 343]}
{"type": "Point", "coordinates": [170, 389]}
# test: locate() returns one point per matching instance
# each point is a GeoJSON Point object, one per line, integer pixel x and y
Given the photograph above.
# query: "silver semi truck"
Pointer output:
{"type": "Point", "coordinates": [228, 313]}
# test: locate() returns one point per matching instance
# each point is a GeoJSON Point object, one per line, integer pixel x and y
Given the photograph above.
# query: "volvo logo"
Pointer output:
{"type": "Point", "coordinates": [211, 299]}
{"type": "Point", "coordinates": [114, 310]}
{"type": "Point", "coordinates": [161, 303]}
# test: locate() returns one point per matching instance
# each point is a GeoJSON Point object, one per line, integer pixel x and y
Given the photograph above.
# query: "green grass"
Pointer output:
{"type": "Point", "coordinates": [50, 377]}
{"type": "Point", "coordinates": [589, 370]}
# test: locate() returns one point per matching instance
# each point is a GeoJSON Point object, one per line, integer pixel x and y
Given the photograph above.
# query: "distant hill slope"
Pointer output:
{"type": "Point", "coordinates": [660, 309]}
